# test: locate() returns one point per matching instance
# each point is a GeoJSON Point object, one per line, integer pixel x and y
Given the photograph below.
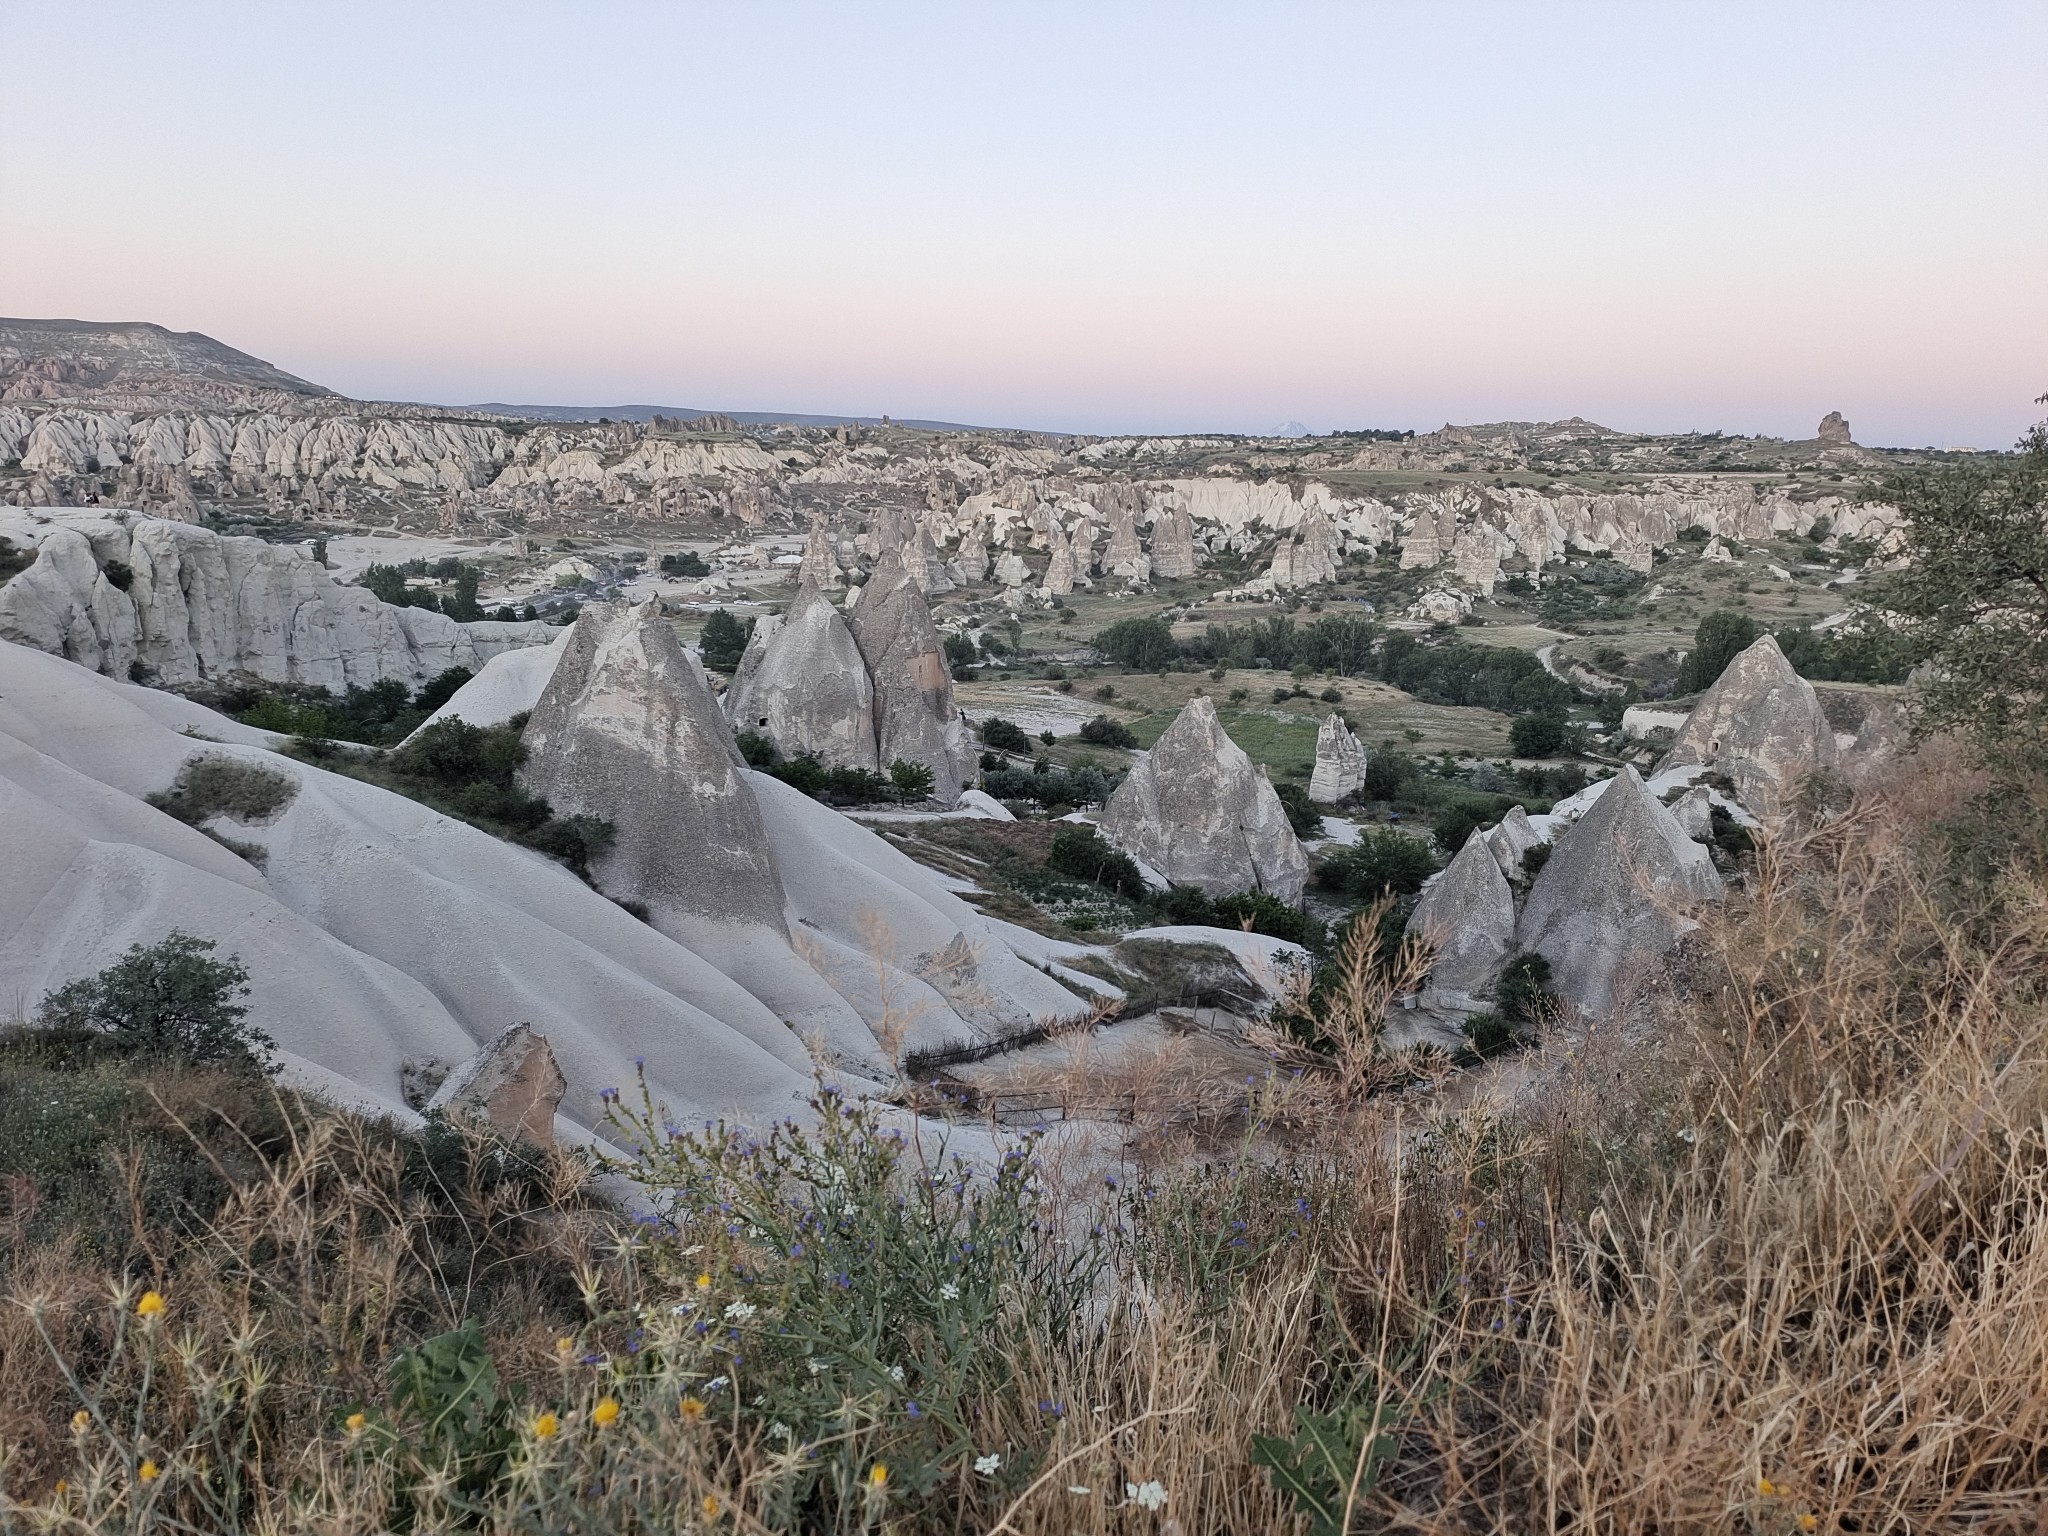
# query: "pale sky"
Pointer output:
{"type": "Point", "coordinates": [1099, 217]}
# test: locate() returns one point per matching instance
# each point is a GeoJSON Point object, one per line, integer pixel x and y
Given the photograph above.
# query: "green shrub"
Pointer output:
{"type": "Point", "coordinates": [1142, 645]}
{"type": "Point", "coordinates": [440, 689]}
{"type": "Point", "coordinates": [1488, 1033]}
{"type": "Point", "coordinates": [1721, 636]}
{"type": "Point", "coordinates": [684, 563]}
{"type": "Point", "coordinates": [455, 753]}
{"type": "Point", "coordinates": [724, 640]}
{"type": "Point", "coordinates": [1263, 912]}
{"type": "Point", "coordinates": [1105, 732]}
{"type": "Point", "coordinates": [1383, 859]}
{"type": "Point", "coordinates": [215, 784]}
{"type": "Point", "coordinates": [911, 781]}
{"type": "Point", "coordinates": [1303, 814]}
{"type": "Point", "coordinates": [756, 749]}
{"type": "Point", "coordinates": [1542, 733]}
{"type": "Point", "coordinates": [169, 1001]}
{"type": "Point", "coordinates": [1084, 853]}
{"type": "Point", "coordinates": [1003, 735]}
{"type": "Point", "coordinates": [1524, 992]}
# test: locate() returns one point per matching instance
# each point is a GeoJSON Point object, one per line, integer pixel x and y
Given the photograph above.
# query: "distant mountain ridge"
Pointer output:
{"type": "Point", "coordinates": [687, 412]}
{"type": "Point", "coordinates": [138, 365]}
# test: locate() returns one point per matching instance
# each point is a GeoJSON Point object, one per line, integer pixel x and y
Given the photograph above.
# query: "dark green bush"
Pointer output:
{"type": "Point", "coordinates": [1084, 853]}
{"type": "Point", "coordinates": [170, 1001]}
{"type": "Point", "coordinates": [1382, 860]}
{"type": "Point", "coordinates": [1142, 645]}
{"type": "Point", "coordinates": [1303, 814]}
{"type": "Point", "coordinates": [724, 640]}
{"type": "Point", "coordinates": [1003, 735]}
{"type": "Point", "coordinates": [1721, 636]}
{"type": "Point", "coordinates": [1105, 732]}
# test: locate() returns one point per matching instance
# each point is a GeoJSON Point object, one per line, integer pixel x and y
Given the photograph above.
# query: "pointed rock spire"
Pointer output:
{"type": "Point", "coordinates": [1468, 913]}
{"type": "Point", "coordinates": [1614, 892]}
{"type": "Point", "coordinates": [808, 691]}
{"type": "Point", "coordinates": [1198, 811]}
{"type": "Point", "coordinates": [1340, 762]}
{"type": "Point", "coordinates": [914, 715]}
{"type": "Point", "coordinates": [627, 730]}
{"type": "Point", "coordinates": [1760, 724]}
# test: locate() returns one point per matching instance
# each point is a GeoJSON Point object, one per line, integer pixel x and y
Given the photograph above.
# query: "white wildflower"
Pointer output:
{"type": "Point", "coordinates": [1079, 1490]}
{"type": "Point", "coordinates": [949, 1292]}
{"type": "Point", "coordinates": [739, 1311]}
{"type": "Point", "coordinates": [780, 1430]}
{"type": "Point", "coordinates": [896, 1374]}
{"type": "Point", "coordinates": [817, 1366]}
{"type": "Point", "coordinates": [988, 1465]}
{"type": "Point", "coordinates": [1146, 1495]}
{"type": "Point", "coordinates": [716, 1384]}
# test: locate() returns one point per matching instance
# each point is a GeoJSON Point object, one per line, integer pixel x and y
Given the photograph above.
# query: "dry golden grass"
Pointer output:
{"type": "Point", "coordinates": [1766, 1255]}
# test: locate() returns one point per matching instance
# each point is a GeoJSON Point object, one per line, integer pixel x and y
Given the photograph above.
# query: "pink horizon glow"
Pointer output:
{"type": "Point", "coordinates": [1732, 217]}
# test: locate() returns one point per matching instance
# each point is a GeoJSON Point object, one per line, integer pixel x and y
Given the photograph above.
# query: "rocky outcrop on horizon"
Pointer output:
{"type": "Point", "coordinates": [1197, 811]}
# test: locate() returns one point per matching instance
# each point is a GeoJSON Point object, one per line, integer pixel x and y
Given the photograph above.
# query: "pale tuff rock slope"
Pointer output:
{"type": "Point", "coordinates": [1762, 725]}
{"type": "Point", "coordinates": [377, 931]}
{"type": "Point", "coordinates": [200, 607]}
{"type": "Point", "coordinates": [1198, 812]}
{"type": "Point", "coordinates": [1468, 913]}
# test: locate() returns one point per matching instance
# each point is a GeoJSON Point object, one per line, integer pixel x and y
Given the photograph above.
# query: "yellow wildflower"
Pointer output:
{"type": "Point", "coordinates": [151, 1305]}
{"type": "Point", "coordinates": [357, 1422]}
{"type": "Point", "coordinates": [149, 1471]}
{"type": "Point", "coordinates": [712, 1507]}
{"type": "Point", "coordinates": [878, 1475]}
{"type": "Point", "coordinates": [547, 1426]}
{"type": "Point", "coordinates": [565, 1346]}
{"type": "Point", "coordinates": [81, 1420]}
{"type": "Point", "coordinates": [693, 1409]}
{"type": "Point", "coordinates": [704, 1281]}
{"type": "Point", "coordinates": [1809, 1522]}
{"type": "Point", "coordinates": [63, 1487]}
{"type": "Point", "coordinates": [1766, 1487]}
{"type": "Point", "coordinates": [605, 1413]}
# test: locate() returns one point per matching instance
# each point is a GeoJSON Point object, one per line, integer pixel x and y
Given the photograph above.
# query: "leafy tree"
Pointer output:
{"type": "Point", "coordinates": [1720, 638]}
{"type": "Point", "coordinates": [1382, 860]}
{"type": "Point", "coordinates": [456, 753]}
{"type": "Point", "coordinates": [724, 640]}
{"type": "Point", "coordinates": [1972, 599]}
{"type": "Point", "coordinates": [1388, 775]}
{"type": "Point", "coordinates": [1454, 825]}
{"type": "Point", "coordinates": [1004, 735]}
{"type": "Point", "coordinates": [440, 689]}
{"type": "Point", "coordinates": [1084, 853]}
{"type": "Point", "coordinates": [684, 563]}
{"type": "Point", "coordinates": [1105, 732]}
{"type": "Point", "coordinates": [960, 655]}
{"type": "Point", "coordinates": [170, 999]}
{"type": "Point", "coordinates": [912, 781]}
{"type": "Point", "coordinates": [1303, 814]}
{"type": "Point", "coordinates": [1541, 734]}
{"type": "Point", "coordinates": [756, 749]}
{"type": "Point", "coordinates": [461, 604]}
{"type": "Point", "coordinates": [1143, 645]}
{"type": "Point", "coordinates": [387, 584]}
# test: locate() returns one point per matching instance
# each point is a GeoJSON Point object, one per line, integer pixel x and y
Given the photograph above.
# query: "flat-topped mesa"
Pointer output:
{"type": "Point", "coordinates": [807, 689]}
{"type": "Point", "coordinates": [915, 720]}
{"type": "Point", "coordinates": [1340, 762]}
{"type": "Point", "coordinates": [1614, 893]}
{"type": "Point", "coordinates": [1761, 725]}
{"type": "Point", "coordinates": [627, 730]}
{"type": "Point", "coordinates": [1198, 812]}
{"type": "Point", "coordinates": [1468, 913]}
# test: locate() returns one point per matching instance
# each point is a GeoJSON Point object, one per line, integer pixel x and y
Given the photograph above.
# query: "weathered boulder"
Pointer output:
{"type": "Point", "coordinates": [627, 730]}
{"type": "Point", "coordinates": [1198, 811]}
{"type": "Point", "coordinates": [807, 690]}
{"type": "Point", "coordinates": [821, 566]}
{"type": "Point", "coordinates": [1694, 811]}
{"type": "Point", "coordinates": [1340, 762]}
{"type": "Point", "coordinates": [1762, 726]}
{"type": "Point", "coordinates": [1468, 914]}
{"type": "Point", "coordinates": [514, 1083]}
{"type": "Point", "coordinates": [1834, 429]}
{"type": "Point", "coordinates": [1125, 557]}
{"type": "Point", "coordinates": [1614, 893]}
{"type": "Point", "coordinates": [915, 720]}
